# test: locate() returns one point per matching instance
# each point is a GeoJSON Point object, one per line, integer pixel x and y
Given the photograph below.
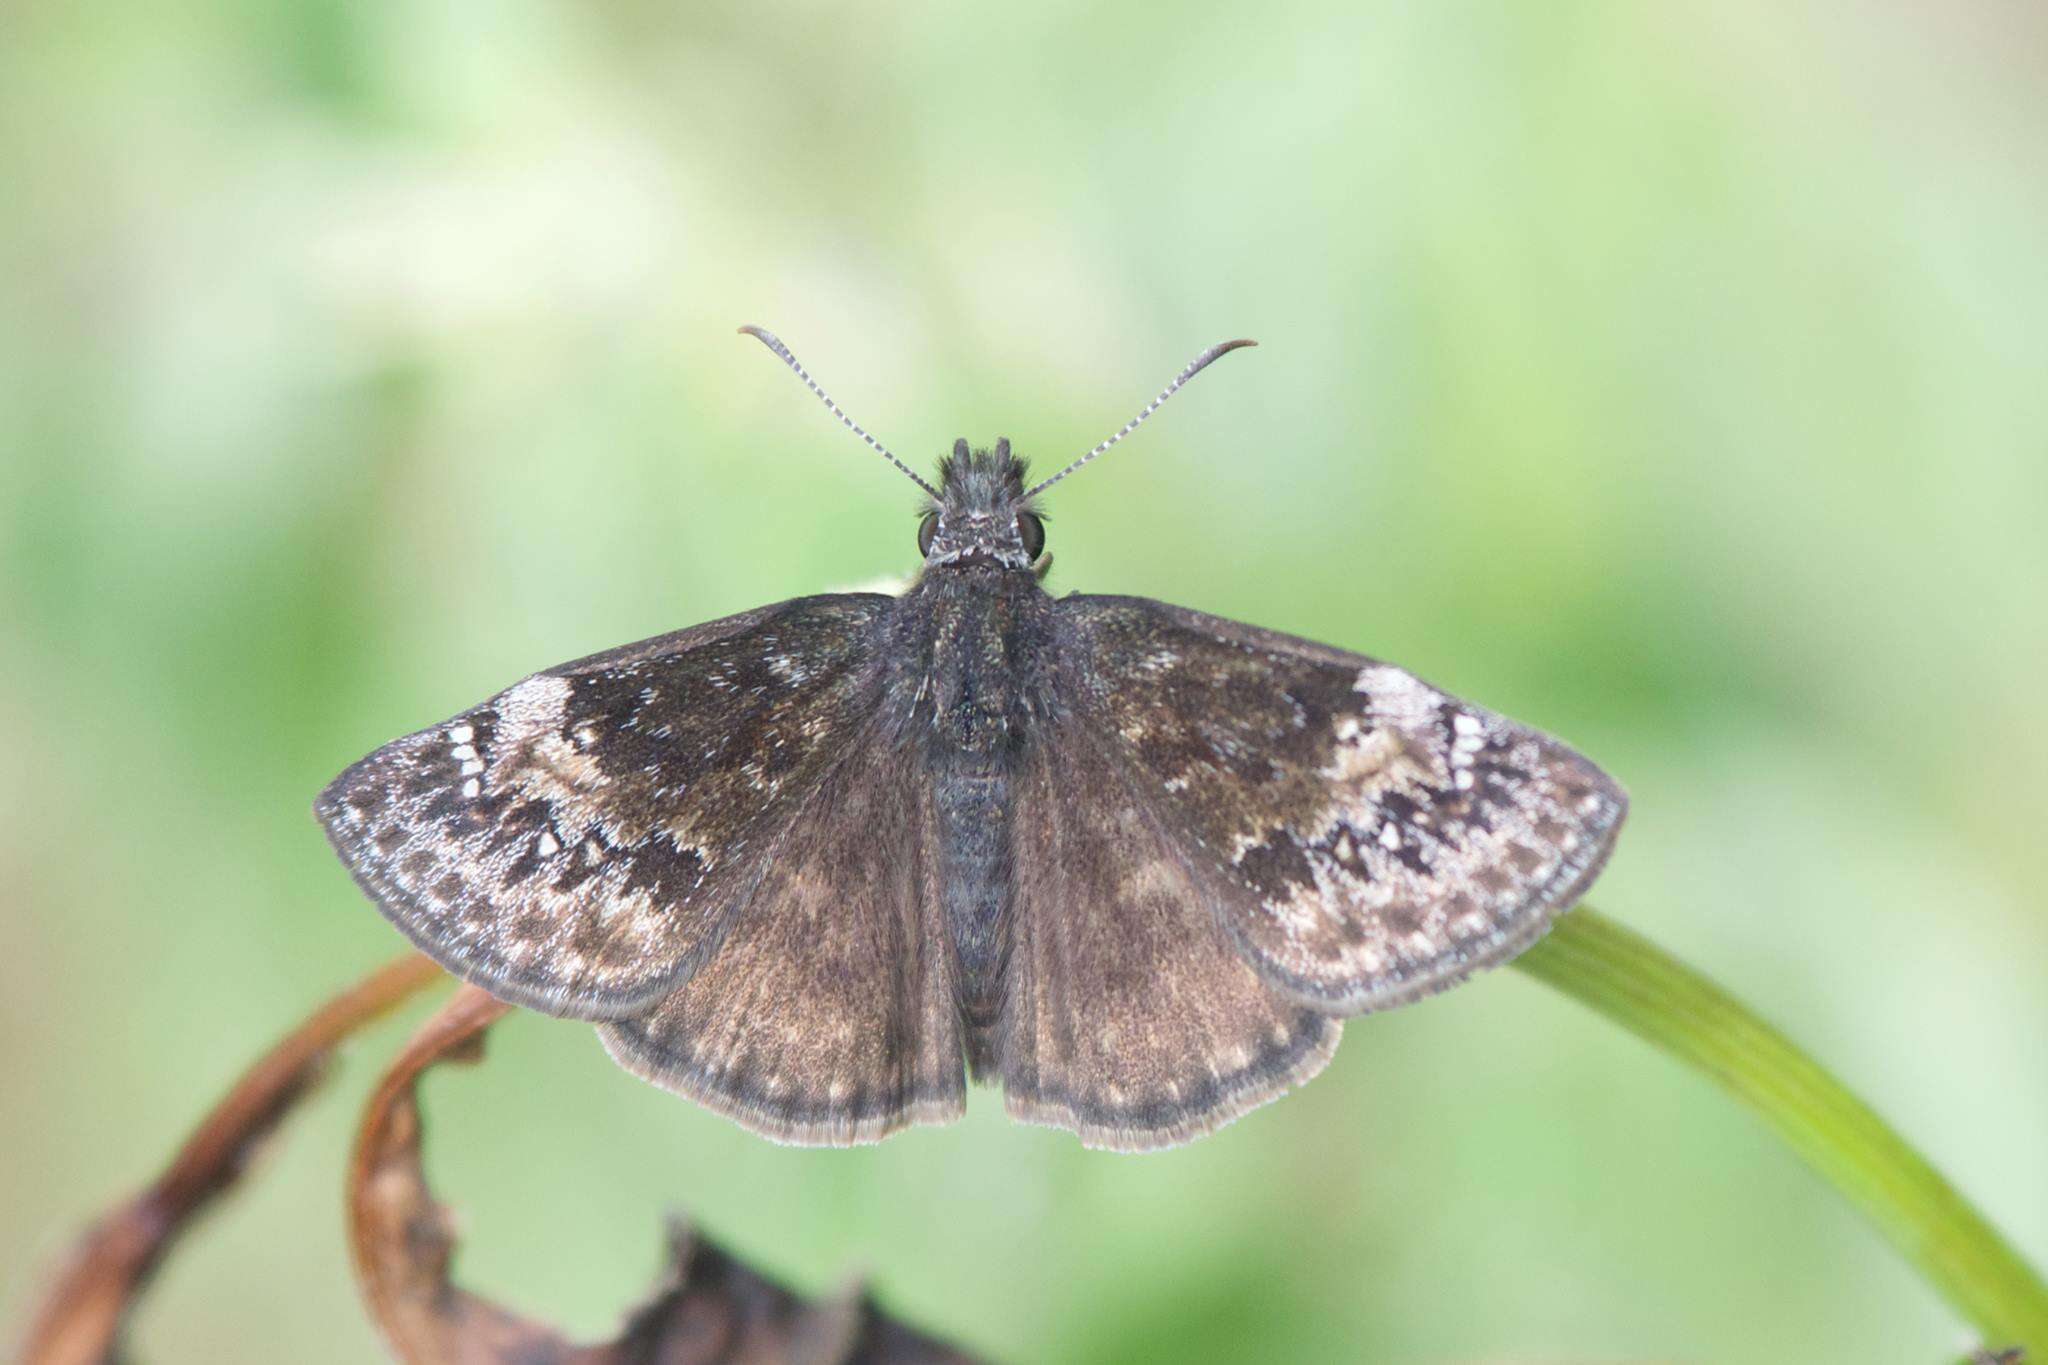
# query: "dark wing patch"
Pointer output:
{"type": "Point", "coordinates": [580, 840]}
{"type": "Point", "coordinates": [1369, 838]}
{"type": "Point", "coordinates": [1128, 1016]}
{"type": "Point", "coordinates": [827, 1016]}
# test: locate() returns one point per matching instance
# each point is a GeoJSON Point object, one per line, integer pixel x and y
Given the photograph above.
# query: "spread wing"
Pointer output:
{"type": "Point", "coordinates": [1128, 1015]}
{"type": "Point", "coordinates": [1365, 838]}
{"type": "Point", "coordinates": [828, 1014]}
{"type": "Point", "coordinates": [584, 838]}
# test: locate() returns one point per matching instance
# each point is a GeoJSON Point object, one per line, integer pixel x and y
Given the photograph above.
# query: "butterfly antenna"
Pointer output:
{"type": "Point", "coordinates": [774, 343]}
{"type": "Point", "coordinates": [1195, 367]}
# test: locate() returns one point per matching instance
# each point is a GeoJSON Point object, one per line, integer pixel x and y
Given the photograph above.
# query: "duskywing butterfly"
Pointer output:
{"type": "Point", "coordinates": [816, 864]}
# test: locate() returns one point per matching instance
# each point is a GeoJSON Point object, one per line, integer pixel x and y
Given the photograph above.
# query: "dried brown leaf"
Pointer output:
{"type": "Point", "coordinates": [82, 1316]}
{"type": "Point", "coordinates": [709, 1308]}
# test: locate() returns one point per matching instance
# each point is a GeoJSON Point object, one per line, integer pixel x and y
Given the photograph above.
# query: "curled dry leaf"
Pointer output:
{"type": "Point", "coordinates": [81, 1318]}
{"type": "Point", "coordinates": [709, 1308]}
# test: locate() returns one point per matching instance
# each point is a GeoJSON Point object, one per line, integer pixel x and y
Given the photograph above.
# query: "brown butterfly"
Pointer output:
{"type": "Point", "coordinates": [817, 864]}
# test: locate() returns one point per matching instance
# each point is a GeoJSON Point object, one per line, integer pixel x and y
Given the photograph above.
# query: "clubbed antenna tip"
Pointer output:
{"type": "Point", "coordinates": [1194, 367]}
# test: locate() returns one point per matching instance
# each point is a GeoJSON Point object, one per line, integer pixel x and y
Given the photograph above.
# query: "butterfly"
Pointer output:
{"type": "Point", "coordinates": [818, 864]}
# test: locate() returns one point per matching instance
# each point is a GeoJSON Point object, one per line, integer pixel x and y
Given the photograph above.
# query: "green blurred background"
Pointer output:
{"type": "Point", "coordinates": [1672, 377]}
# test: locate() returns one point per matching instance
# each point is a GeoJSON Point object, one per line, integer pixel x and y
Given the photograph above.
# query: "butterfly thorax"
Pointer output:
{"type": "Point", "coordinates": [985, 633]}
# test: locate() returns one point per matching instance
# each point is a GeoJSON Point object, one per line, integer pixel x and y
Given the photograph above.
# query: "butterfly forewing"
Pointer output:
{"type": "Point", "coordinates": [1367, 838]}
{"type": "Point", "coordinates": [584, 838]}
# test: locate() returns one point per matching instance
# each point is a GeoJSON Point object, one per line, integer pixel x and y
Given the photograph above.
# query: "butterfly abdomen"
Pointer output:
{"type": "Point", "coordinates": [975, 893]}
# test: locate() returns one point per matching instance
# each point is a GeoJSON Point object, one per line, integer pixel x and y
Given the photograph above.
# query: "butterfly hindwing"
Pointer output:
{"type": "Point", "coordinates": [1367, 838]}
{"type": "Point", "coordinates": [1129, 1016]}
{"type": "Point", "coordinates": [828, 1014]}
{"type": "Point", "coordinates": [582, 839]}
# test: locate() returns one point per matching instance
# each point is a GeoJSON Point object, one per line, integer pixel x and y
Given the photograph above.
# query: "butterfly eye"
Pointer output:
{"type": "Point", "coordinates": [926, 529]}
{"type": "Point", "coordinates": [1031, 529]}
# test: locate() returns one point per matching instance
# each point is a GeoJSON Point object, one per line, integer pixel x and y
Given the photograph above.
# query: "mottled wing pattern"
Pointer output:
{"type": "Point", "coordinates": [1128, 1015]}
{"type": "Point", "coordinates": [1367, 838]}
{"type": "Point", "coordinates": [582, 839]}
{"type": "Point", "coordinates": [828, 1014]}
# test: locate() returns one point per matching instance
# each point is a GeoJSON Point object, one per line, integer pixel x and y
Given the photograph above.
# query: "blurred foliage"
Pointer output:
{"type": "Point", "coordinates": [1670, 377]}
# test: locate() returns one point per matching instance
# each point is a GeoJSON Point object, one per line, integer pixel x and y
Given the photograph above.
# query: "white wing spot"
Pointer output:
{"type": "Point", "coordinates": [530, 709]}
{"type": "Point", "coordinates": [471, 788]}
{"type": "Point", "coordinates": [1400, 696]}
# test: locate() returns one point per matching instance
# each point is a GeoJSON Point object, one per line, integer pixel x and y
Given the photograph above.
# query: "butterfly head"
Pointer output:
{"type": "Point", "coordinates": [981, 515]}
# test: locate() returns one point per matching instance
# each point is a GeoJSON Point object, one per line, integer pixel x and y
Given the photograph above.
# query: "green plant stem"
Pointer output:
{"type": "Point", "coordinates": [1630, 980]}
